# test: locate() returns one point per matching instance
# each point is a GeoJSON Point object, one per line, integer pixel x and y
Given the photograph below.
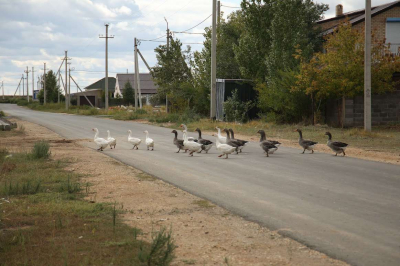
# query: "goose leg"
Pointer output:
{"type": "Point", "coordinates": [344, 154]}
{"type": "Point", "coordinates": [336, 154]}
{"type": "Point", "coordinates": [178, 150]}
{"type": "Point", "coordinates": [221, 155]}
{"type": "Point", "coordinates": [226, 156]}
{"type": "Point", "coordinates": [137, 147]}
{"type": "Point", "coordinates": [152, 148]}
{"type": "Point", "coordinates": [312, 151]}
{"type": "Point", "coordinates": [267, 154]}
{"type": "Point", "coordinates": [303, 151]}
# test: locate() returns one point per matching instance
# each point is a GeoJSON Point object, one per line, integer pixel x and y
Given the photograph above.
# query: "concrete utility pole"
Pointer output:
{"type": "Point", "coordinates": [168, 33]}
{"type": "Point", "coordinates": [2, 86]}
{"type": "Point", "coordinates": [27, 84]}
{"type": "Point", "coordinates": [33, 82]}
{"type": "Point", "coordinates": [66, 81]}
{"type": "Point", "coordinates": [44, 84]}
{"type": "Point", "coordinates": [218, 12]}
{"type": "Point", "coordinates": [69, 84]}
{"type": "Point", "coordinates": [137, 74]}
{"type": "Point", "coordinates": [106, 88]}
{"type": "Point", "coordinates": [23, 85]}
{"type": "Point", "coordinates": [135, 84]}
{"type": "Point", "coordinates": [213, 107]}
{"type": "Point", "coordinates": [367, 68]}
{"type": "Point", "coordinates": [59, 86]}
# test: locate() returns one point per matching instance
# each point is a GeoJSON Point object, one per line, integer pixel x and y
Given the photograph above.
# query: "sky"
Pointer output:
{"type": "Point", "coordinates": [34, 32]}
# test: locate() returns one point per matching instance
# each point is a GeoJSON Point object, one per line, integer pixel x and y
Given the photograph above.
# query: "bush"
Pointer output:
{"type": "Point", "coordinates": [141, 112]}
{"type": "Point", "coordinates": [236, 110]}
{"type": "Point", "coordinates": [41, 150]}
{"type": "Point", "coordinates": [2, 114]}
{"type": "Point", "coordinates": [161, 251]}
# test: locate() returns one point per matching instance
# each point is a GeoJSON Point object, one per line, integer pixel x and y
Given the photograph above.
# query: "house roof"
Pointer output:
{"type": "Point", "coordinates": [358, 16]}
{"type": "Point", "coordinates": [147, 85]}
{"type": "Point", "coordinates": [101, 84]}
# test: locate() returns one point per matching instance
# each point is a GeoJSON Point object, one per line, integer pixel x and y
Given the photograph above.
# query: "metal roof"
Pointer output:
{"type": "Point", "coordinates": [147, 85]}
{"type": "Point", "coordinates": [101, 84]}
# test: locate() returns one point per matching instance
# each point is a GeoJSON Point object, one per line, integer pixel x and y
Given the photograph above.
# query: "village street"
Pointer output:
{"type": "Point", "coordinates": [345, 207]}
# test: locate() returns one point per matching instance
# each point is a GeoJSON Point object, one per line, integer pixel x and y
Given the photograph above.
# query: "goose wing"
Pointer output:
{"type": "Point", "coordinates": [309, 142]}
{"type": "Point", "coordinates": [205, 142]}
{"type": "Point", "coordinates": [340, 144]}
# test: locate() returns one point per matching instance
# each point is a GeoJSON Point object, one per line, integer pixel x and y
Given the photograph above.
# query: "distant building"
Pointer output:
{"type": "Point", "coordinates": [147, 85]}
{"type": "Point", "coordinates": [94, 92]}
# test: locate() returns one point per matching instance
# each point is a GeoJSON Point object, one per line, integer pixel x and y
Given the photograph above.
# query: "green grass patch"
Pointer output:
{"type": "Point", "coordinates": [44, 220]}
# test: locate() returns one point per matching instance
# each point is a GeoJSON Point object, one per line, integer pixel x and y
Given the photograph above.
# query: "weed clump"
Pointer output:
{"type": "Point", "coordinates": [41, 150]}
{"type": "Point", "coordinates": [161, 251]}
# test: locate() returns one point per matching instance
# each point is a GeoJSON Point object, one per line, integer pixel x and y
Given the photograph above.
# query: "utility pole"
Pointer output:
{"type": "Point", "coordinates": [66, 81]}
{"type": "Point", "coordinates": [69, 84]}
{"type": "Point", "coordinates": [23, 85]}
{"type": "Point", "coordinates": [106, 88]}
{"type": "Point", "coordinates": [168, 33]}
{"type": "Point", "coordinates": [59, 86]}
{"type": "Point", "coordinates": [2, 86]}
{"type": "Point", "coordinates": [44, 85]}
{"type": "Point", "coordinates": [218, 12]}
{"type": "Point", "coordinates": [27, 83]}
{"type": "Point", "coordinates": [135, 85]}
{"type": "Point", "coordinates": [33, 82]}
{"type": "Point", "coordinates": [137, 74]}
{"type": "Point", "coordinates": [213, 106]}
{"type": "Point", "coordinates": [367, 68]}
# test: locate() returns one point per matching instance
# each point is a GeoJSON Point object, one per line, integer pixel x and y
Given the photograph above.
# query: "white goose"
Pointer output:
{"type": "Point", "coordinates": [221, 139]}
{"type": "Point", "coordinates": [190, 144]}
{"type": "Point", "coordinates": [189, 138]}
{"type": "Point", "coordinates": [224, 148]}
{"type": "Point", "coordinates": [100, 142]}
{"type": "Point", "coordinates": [111, 141]}
{"type": "Point", "coordinates": [149, 141]}
{"type": "Point", "coordinates": [134, 141]}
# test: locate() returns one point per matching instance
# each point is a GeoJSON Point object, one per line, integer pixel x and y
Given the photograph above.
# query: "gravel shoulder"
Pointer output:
{"type": "Point", "coordinates": [204, 233]}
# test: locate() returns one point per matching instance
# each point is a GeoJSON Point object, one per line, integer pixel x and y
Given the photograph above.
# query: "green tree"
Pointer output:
{"type": "Point", "coordinates": [52, 89]}
{"type": "Point", "coordinates": [173, 75]}
{"type": "Point", "coordinates": [339, 71]}
{"type": "Point", "coordinates": [128, 94]}
{"type": "Point", "coordinates": [273, 31]}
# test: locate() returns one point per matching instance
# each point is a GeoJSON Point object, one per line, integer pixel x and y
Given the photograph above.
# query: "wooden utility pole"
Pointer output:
{"type": "Point", "coordinates": [213, 105]}
{"type": "Point", "coordinates": [106, 81]}
{"type": "Point", "coordinates": [135, 84]}
{"type": "Point", "coordinates": [367, 68]}
{"type": "Point", "coordinates": [44, 84]}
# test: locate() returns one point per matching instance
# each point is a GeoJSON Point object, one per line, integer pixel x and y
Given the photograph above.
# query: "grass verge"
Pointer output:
{"type": "Point", "coordinates": [44, 220]}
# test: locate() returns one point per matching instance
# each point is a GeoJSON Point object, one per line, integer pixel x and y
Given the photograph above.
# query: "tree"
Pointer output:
{"type": "Point", "coordinates": [273, 31]}
{"type": "Point", "coordinates": [52, 89]}
{"type": "Point", "coordinates": [128, 94]}
{"type": "Point", "coordinates": [173, 74]}
{"type": "Point", "coordinates": [339, 71]}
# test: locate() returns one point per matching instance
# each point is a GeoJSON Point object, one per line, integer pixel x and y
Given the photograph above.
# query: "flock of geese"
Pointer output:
{"type": "Point", "coordinates": [225, 145]}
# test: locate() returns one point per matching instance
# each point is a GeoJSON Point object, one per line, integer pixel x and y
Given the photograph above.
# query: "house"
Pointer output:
{"type": "Point", "coordinates": [385, 23]}
{"type": "Point", "coordinates": [94, 92]}
{"type": "Point", "coordinates": [147, 85]}
{"type": "Point", "coordinates": [386, 26]}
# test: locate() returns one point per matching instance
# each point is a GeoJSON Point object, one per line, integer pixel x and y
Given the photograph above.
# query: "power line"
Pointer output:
{"type": "Point", "coordinates": [199, 23]}
{"type": "Point", "coordinates": [231, 6]}
{"type": "Point", "coordinates": [184, 32]}
{"type": "Point", "coordinates": [153, 39]}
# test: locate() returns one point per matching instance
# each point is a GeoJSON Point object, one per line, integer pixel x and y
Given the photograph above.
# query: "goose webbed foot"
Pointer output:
{"type": "Point", "coordinates": [221, 155]}
{"type": "Point", "coordinates": [137, 147]}
{"type": "Point", "coordinates": [178, 151]}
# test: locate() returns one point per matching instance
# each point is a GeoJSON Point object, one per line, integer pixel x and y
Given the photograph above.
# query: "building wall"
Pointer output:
{"type": "Point", "coordinates": [385, 109]}
{"type": "Point", "coordinates": [379, 23]}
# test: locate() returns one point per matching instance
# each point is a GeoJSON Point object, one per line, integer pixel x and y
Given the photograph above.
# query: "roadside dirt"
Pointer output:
{"type": "Point", "coordinates": [378, 156]}
{"type": "Point", "coordinates": [205, 234]}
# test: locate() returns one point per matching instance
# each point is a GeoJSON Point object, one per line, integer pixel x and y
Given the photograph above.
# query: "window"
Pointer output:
{"type": "Point", "coordinates": [393, 34]}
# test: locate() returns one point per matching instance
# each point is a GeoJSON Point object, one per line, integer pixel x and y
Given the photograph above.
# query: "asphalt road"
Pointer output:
{"type": "Point", "coordinates": [345, 207]}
